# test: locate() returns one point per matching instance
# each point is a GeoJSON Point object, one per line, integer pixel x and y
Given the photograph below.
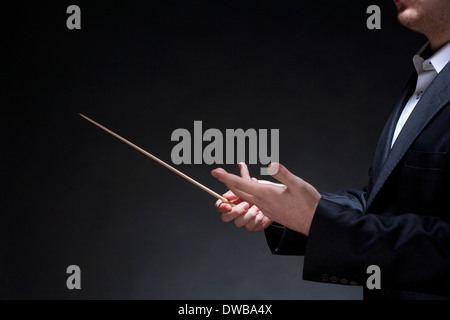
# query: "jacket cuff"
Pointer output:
{"type": "Point", "coordinates": [284, 241]}
{"type": "Point", "coordinates": [324, 247]}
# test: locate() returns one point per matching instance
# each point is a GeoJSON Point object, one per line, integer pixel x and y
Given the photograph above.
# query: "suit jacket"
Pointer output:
{"type": "Point", "coordinates": [400, 221]}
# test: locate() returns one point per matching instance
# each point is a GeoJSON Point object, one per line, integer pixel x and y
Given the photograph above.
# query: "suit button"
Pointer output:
{"type": "Point", "coordinates": [344, 281]}
{"type": "Point", "coordinates": [334, 279]}
{"type": "Point", "coordinates": [353, 283]}
{"type": "Point", "coordinates": [324, 277]}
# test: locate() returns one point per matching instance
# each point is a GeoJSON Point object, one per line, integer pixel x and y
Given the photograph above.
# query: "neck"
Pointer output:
{"type": "Point", "coordinates": [439, 39]}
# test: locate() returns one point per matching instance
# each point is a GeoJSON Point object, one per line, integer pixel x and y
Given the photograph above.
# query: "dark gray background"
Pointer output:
{"type": "Point", "coordinates": [71, 194]}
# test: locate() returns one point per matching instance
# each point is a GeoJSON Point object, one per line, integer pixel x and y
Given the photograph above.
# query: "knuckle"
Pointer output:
{"type": "Point", "coordinates": [252, 214]}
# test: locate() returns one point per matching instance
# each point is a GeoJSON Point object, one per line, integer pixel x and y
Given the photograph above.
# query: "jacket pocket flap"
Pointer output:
{"type": "Point", "coordinates": [426, 160]}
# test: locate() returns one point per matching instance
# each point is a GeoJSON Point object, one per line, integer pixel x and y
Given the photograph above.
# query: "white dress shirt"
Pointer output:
{"type": "Point", "coordinates": [427, 70]}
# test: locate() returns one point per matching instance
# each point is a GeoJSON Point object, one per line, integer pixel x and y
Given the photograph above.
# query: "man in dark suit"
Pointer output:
{"type": "Point", "coordinates": [401, 221]}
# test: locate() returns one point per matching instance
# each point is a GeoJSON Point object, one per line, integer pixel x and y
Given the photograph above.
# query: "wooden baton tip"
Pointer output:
{"type": "Point", "coordinates": [181, 174]}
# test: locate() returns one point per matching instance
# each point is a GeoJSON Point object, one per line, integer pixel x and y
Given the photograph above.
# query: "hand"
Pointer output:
{"type": "Point", "coordinates": [291, 204]}
{"type": "Point", "coordinates": [244, 215]}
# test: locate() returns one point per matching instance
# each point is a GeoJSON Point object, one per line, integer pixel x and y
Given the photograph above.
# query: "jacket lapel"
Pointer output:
{"type": "Point", "coordinates": [434, 99]}
{"type": "Point", "coordinates": [384, 143]}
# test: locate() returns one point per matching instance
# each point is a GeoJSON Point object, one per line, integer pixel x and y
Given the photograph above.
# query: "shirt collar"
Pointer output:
{"type": "Point", "coordinates": [437, 61]}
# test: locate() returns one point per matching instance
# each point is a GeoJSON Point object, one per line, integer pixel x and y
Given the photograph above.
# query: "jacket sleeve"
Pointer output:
{"type": "Point", "coordinates": [412, 251]}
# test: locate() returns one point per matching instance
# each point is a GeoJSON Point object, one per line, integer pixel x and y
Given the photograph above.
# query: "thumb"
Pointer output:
{"type": "Point", "coordinates": [282, 174]}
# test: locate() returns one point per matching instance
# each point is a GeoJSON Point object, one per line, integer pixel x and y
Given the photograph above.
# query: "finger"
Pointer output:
{"type": "Point", "coordinates": [244, 170]}
{"type": "Point", "coordinates": [256, 224]}
{"type": "Point", "coordinates": [223, 207]}
{"type": "Point", "coordinates": [264, 223]}
{"type": "Point", "coordinates": [245, 196]}
{"type": "Point", "coordinates": [235, 183]}
{"type": "Point", "coordinates": [237, 211]}
{"type": "Point", "coordinates": [229, 195]}
{"type": "Point", "coordinates": [271, 183]}
{"type": "Point", "coordinates": [282, 174]}
{"type": "Point", "coordinates": [232, 198]}
{"type": "Point", "coordinates": [247, 218]}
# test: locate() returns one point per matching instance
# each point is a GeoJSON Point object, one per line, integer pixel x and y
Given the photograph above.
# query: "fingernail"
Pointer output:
{"type": "Point", "coordinates": [240, 166]}
{"type": "Point", "coordinates": [273, 168]}
{"type": "Point", "coordinates": [214, 173]}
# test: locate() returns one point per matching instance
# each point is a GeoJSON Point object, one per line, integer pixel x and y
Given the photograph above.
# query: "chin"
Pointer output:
{"type": "Point", "coordinates": [410, 18]}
